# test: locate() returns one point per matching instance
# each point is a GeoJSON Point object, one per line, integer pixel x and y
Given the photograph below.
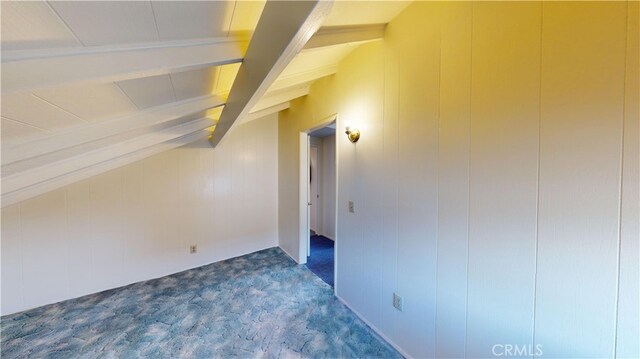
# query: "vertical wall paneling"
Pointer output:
{"type": "Point", "coordinates": [157, 216]}
{"type": "Point", "coordinates": [418, 125]}
{"type": "Point", "coordinates": [495, 187]}
{"type": "Point", "coordinates": [368, 196]}
{"type": "Point", "coordinates": [502, 138]}
{"type": "Point", "coordinates": [136, 222]}
{"type": "Point", "coordinates": [581, 133]}
{"type": "Point", "coordinates": [349, 258]}
{"type": "Point", "coordinates": [172, 240]}
{"type": "Point", "coordinates": [628, 333]}
{"type": "Point", "coordinates": [505, 101]}
{"type": "Point", "coordinates": [190, 186]}
{"type": "Point", "coordinates": [79, 238]}
{"type": "Point", "coordinates": [390, 158]}
{"type": "Point", "coordinates": [288, 177]}
{"type": "Point", "coordinates": [11, 258]}
{"type": "Point", "coordinates": [137, 239]}
{"type": "Point", "coordinates": [43, 239]}
{"type": "Point", "coordinates": [236, 196]}
{"type": "Point", "coordinates": [268, 159]}
{"type": "Point", "coordinates": [222, 183]}
{"type": "Point", "coordinates": [453, 179]}
{"type": "Point", "coordinates": [107, 228]}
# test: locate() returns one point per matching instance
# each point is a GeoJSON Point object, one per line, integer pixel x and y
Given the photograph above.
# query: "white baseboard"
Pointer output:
{"type": "Point", "coordinates": [375, 329]}
{"type": "Point", "coordinates": [138, 280]}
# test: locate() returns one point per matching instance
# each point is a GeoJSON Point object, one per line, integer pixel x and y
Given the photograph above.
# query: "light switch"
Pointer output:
{"type": "Point", "coordinates": [397, 301]}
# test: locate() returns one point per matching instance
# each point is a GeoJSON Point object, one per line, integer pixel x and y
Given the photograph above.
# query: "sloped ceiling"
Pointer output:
{"type": "Point", "coordinates": [82, 78]}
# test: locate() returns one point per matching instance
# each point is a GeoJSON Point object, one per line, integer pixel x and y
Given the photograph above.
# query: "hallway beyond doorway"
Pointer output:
{"type": "Point", "coordinates": [321, 260]}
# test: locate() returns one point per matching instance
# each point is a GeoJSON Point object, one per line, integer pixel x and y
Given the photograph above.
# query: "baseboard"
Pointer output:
{"type": "Point", "coordinates": [375, 329]}
{"type": "Point", "coordinates": [136, 281]}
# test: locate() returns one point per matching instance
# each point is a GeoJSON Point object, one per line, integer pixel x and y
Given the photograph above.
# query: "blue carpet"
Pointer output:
{"type": "Point", "coordinates": [258, 305]}
{"type": "Point", "coordinates": [321, 260]}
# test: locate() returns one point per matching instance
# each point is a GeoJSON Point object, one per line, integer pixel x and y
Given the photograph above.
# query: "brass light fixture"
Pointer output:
{"type": "Point", "coordinates": [353, 134]}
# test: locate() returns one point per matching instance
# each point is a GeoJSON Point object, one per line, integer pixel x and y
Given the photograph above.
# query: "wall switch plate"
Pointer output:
{"type": "Point", "coordinates": [193, 248]}
{"type": "Point", "coordinates": [351, 207]}
{"type": "Point", "coordinates": [397, 301]}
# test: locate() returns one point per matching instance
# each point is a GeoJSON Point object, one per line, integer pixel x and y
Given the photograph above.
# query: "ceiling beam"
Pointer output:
{"type": "Point", "coordinates": [262, 113]}
{"type": "Point", "coordinates": [30, 69]}
{"type": "Point", "coordinates": [274, 101]}
{"type": "Point", "coordinates": [273, 98]}
{"type": "Point", "coordinates": [303, 77]}
{"type": "Point", "coordinates": [283, 30]}
{"type": "Point", "coordinates": [36, 173]}
{"type": "Point", "coordinates": [94, 131]}
{"type": "Point", "coordinates": [335, 35]}
{"type": "Point", "coordinates": [98, 168]}
{"type": "Point", "coordinates": [26, 70]}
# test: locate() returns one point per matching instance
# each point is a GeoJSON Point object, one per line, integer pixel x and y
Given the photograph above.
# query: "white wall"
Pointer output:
{"type": "Point", "coordinates": [315, 184]}
{"type": "Point", "coordinates": [137, 222]}
{"type": "Point", "coordinates": [628, 325]}
{"type": "Point", "coordinates": [328, 192]}
{"type": "Point", "coordinates": [495, 181]}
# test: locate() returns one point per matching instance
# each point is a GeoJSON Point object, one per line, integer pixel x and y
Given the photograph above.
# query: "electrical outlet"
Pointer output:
{"type": "Point", "coordinates": [193, 248]}
{"type": "Point", "coordinates": [397, 301]}
{"type": "Point", "coordinates": [351, 207]}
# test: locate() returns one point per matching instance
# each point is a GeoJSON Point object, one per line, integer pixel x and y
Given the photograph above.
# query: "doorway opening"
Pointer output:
{"type": "Point", "coordinates": [320, 192]}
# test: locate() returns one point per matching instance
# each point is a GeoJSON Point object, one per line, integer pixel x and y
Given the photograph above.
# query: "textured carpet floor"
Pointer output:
{"type": "Point", "coordinates": [321, 260]}
{"type": "Point", "coordinates": [254, 306]}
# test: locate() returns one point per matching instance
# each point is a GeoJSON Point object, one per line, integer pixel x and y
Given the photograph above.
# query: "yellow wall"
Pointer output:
{"type": "Point", "coordinates": [495, 182]}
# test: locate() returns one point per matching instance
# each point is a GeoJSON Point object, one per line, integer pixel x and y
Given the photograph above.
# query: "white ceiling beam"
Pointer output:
{"type": "Point", "coordinates": [98, 168]}
{"type": "Point", "coordinates": [16, 178]}
{"type": "Point", "coordinates": [334, 35]}
{"type": "Point", "coordinates": [283, 30]}
{"type": "Point", "coordinates": [102, 129]}
{"type": "Point", "coordinates": [273, 98]}
{"type": "Point", "coordinates": [262, 113]}
{"type": "Point", "coordinates": [27, 70]}
{"type": "Point", "coordinates": [274, 101]}
{"type": "Point", "coordinates": [303, 77]}
{"type": "Point", "coordinates": [30, 69]}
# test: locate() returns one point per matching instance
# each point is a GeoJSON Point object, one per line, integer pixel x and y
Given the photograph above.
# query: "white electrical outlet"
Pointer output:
{"type": "Point", "coordinates": [193, 248]}
{"type": "Point", "coordinates": [351, 207]}
{"type": "Point", "coordinates": [397, 301]}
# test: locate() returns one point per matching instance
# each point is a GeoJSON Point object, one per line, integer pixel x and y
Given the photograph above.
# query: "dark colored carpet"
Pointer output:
{"type": "Point", "coordinates": [321, 260]}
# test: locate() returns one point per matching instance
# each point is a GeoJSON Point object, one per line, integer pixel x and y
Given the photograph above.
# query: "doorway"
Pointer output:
{"type": "Point", "coordinates": [320, 191]}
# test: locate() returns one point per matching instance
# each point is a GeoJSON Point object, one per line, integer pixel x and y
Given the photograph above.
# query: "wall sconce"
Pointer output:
{"type": "Point", "coordinates": [353, 134]}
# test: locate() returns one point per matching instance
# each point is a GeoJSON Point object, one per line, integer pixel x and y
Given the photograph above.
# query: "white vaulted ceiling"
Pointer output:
{"type": "Point", "coordinates": [87, 86]}
{"type": "Point", "coordinates": [29, 27]}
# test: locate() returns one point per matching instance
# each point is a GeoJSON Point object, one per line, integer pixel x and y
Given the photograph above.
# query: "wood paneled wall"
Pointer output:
{"type": "Point", "coordinates": [137, 222]}
{"type": "Point", "coordinates": [496, 179]}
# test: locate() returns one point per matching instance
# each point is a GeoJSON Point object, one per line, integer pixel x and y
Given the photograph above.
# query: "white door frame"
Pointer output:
{"type": "Point", "coordinates": [303, 203]}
